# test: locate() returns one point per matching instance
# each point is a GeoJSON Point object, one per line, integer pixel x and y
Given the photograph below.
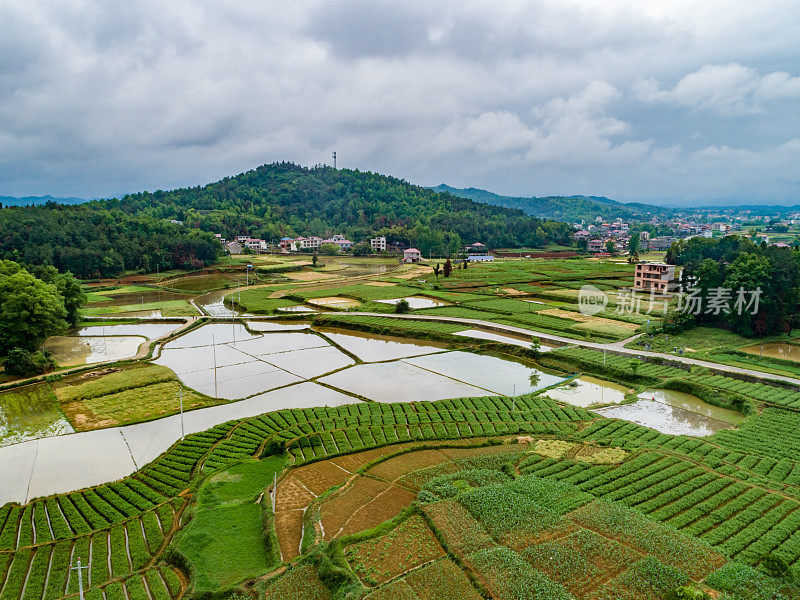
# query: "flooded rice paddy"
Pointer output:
{"type": "Point", "coordinates": [586, 391]}
{"type": "Point", "coordinates": [70, 351]}
{"type": "Point", "coordinates": [374, 348]}
{"type": "Point", "coordinates": [151, 331]}
{"type": "Point", "coordinates": [206, 282]}
{"type": "Point", "coordinates": [693, 404]}
{"type": "Point", "coordinates": [227, 361]}
{"type": "Point", "coordinates": [665, 418]}
{"type": "Point", "coordinates": [415, 302]}
{"type": "Point", "coordinates": [520, 340]}
{"type": "Point", "coordinates": [214, 304]}
{"type": "Point", "coordinates": [46, 466]}
{"type": "Point", "coordinates": [30, 412]}
{"type": "Point", "coordinates": [775, 350]}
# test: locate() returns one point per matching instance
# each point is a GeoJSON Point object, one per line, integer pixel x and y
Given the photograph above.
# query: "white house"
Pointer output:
{"type": "Point", "coordinates": [378, 243]}
{"type": "Point", "coordinates": [412, 255]}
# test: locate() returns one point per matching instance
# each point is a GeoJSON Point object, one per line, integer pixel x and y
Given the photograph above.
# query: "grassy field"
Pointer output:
{"type": "Point", "coordinates": [124, 395]}
{"type": "Point", "coordinates": [168, 308]}
{"type": "Point", "coordinates": [225, 541]}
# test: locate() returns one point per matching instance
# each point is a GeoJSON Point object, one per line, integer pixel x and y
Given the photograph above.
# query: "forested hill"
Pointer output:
{"type": "Point", "coordinates": [561, 208]}
{"type": "Point", "coordinates": [107, 237]}
{"type": "Point", "coordinates": [285, 199]}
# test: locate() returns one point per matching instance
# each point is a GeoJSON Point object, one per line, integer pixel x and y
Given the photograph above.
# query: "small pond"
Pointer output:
{"type": "Point", "coordinates": [415, 302]}
{"type": "Point", "coordinates": [586, 391]}
{"type": "Point", "coordinates": [297, 309]}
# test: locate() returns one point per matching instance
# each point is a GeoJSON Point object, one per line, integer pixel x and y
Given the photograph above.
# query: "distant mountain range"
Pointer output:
{"type": "Point", "coordinates": [36, 200]}
{"type": "Point", "coordinates": [560, 208]}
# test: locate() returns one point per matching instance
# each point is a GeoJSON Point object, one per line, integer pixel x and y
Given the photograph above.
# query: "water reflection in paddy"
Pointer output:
{"type": "Point", "coordinates": [399, 382]}
{"type": "Point", "coordinates": [297, 309]}
{"type": "Point", "coordinates": [775, 350]}
{"type": "Point", "coordinates": [214, 304]}
{"type": "Point", "coordinates": [276, 326]}
{"type": "Point", "coordinates": [149, 330]}
{"type": "Point", "coordinates": [586, 391]}
{"type": "Point", "coordinates": [239, 364]}
{"type": "Point", "coordinates": [487, 371]}
{"type": "Point", "coordinates": [693, 404]}
{"type": "Point", "coordinates": [415, 302]}
{"type": "Point", "coordinates": [373, 348]}
{"type": "Point", "coordinates": [70, 351]}
{"type": "Point", "coordinates": [521, 340]}
{"type": "Point", "coordinates": [664, 418]}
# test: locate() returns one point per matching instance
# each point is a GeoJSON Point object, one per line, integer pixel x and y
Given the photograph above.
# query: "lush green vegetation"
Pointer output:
{"type": "Point", "coordinates": [32, 308]}
{"type": "Point", "coordinates": [225, 542]}
{"type": "Point", "coordinates": [734, 263]}
{"type": "Point", "coordinates": [287, 199]}
{"type": "Point", "coordinates": [99, 239]}
{"type": "Point", "coordinates": [129, 394]}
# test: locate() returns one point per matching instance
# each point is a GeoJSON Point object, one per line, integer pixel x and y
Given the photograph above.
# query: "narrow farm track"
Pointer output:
{"type": "Point", "coordinates": [615, 347]}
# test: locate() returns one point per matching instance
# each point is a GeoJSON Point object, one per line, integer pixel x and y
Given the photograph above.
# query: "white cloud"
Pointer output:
{"type": "Point", "coordinates": [613, 97]}
{"type": "Point", "coordinates": [730, 89]}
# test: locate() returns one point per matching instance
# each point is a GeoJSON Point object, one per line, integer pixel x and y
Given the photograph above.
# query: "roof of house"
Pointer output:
{"type": "Point", "coordinates": [412, 250]}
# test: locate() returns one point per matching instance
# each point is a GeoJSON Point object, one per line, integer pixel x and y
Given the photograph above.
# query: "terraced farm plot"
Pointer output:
{"type": "Point", "coordinates": [408, 546]}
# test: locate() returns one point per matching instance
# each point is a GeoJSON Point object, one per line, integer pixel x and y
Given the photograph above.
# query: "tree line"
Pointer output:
{"type": "Point", "coordinates": [96, 240]}
{"type": "Point", "coordinates": [731, 263]}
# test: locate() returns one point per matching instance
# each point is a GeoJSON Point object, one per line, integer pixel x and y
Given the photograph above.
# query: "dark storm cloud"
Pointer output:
{"type": "Point", "coordinates": [660, 100]}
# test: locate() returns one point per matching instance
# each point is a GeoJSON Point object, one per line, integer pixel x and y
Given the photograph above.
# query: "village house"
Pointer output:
{"type": "Point", "coordinates": [596, 245]}
{"type": "Point", "coordinates": [657, 277]}
{"type": "Point", "coordinates": [339, 240]}
{"type": "Point", "coordinates": [412, 255]}
{"type": "Point", "coordinates": [378, 243]}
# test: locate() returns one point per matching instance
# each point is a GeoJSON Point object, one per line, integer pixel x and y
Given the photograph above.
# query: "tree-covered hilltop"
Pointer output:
{"type": "Point", "coordinates": [107, 237]}
{"type": "Point", "coordinates": [285, 199]}
{"type": "Point", "coordinates": [97, 240]}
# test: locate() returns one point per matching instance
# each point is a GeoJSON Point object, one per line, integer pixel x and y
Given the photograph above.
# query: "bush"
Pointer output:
{"type": "Point", "coordinates": [22, 363]}
{"type": "Point", "coordinates": [402, 307]}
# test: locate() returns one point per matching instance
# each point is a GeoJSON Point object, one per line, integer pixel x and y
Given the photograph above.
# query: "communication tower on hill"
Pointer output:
{"type": "Point", "coordinates": [334, 159]}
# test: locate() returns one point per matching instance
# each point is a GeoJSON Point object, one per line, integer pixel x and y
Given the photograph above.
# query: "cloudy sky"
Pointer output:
{"type": "Point", "coordinates": [662, 101]}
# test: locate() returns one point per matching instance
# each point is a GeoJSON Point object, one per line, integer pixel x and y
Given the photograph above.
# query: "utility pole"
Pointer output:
{"type": "Point", "coordinates": [80, 569]}
{"type": "Point", "coordinates": [180, 394]}
{"type": "Point", "coordinates": [214, 350]}
{"type": "Point", "coordinates": [334, 160]}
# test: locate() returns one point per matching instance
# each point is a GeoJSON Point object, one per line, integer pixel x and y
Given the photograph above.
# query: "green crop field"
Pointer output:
{"type": "Point", "coordinates": [667, 512]}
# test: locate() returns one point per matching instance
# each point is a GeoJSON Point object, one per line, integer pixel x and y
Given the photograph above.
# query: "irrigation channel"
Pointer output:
{"type": "Point", "coordinates": [269, 366]}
